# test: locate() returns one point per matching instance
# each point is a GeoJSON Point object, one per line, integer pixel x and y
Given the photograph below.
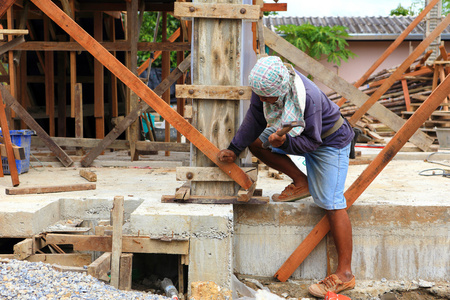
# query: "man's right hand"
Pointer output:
{"type": "Point", "coordinates": [226, 155]}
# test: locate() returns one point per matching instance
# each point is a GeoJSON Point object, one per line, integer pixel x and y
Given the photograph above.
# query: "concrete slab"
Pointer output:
{"type": "Point", "coordinates": [400, 220]}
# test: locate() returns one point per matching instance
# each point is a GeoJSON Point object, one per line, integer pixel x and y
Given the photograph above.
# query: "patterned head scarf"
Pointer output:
{"type": "Point", "coordinates": [271, 78]}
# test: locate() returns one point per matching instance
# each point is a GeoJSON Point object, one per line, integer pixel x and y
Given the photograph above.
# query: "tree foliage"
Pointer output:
{"type": "Point", "coordinates": [401, 11]}
{"type": "Point", "coordinates": [319, 41]}
{"type": "Point", "coordinates": [147, 32]}
{"type": "Point", "coordinates": [417, 6]}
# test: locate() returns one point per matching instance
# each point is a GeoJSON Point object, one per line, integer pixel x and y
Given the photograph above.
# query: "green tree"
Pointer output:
{"type": "Point", "coordinates": [147, 32]}
{"type": "Point", "coordinates": [418, 5]}
{"type": "Point", "coordinates": [319, 41]}
{"type": "Point", "coordinates": [401, 11]}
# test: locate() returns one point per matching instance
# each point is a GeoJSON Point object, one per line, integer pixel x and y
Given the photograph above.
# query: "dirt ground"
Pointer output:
{"type": "Point", "coordinates": [364, 290]}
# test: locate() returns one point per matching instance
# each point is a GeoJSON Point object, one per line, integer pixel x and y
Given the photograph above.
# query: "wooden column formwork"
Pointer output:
{"type": "Point", "coordinates": [216, 61]}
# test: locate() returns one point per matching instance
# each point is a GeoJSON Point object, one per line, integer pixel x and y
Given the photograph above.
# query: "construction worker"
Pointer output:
{"type": "Point", "coordinates": [283, 96]}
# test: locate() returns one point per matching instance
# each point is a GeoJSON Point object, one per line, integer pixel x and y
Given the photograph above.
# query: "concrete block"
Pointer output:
{"type": "Point", "coordinates": [25, 218]}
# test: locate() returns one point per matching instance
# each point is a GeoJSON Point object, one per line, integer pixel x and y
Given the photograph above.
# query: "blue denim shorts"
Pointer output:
{"type": "Point", "coordinates": [327, 170]}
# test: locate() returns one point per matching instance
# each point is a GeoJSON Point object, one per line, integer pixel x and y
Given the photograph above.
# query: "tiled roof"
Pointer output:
{"type": "Point", "coordinates": [364, 28]}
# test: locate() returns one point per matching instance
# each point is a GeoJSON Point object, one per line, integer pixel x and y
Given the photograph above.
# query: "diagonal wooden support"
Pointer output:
{"type": "Point", "coordinates": [392, 47]}
{"type": "Point", "coordinates": [11, 44]}
{"type": "Point", "coordinates": [366, 177]}
{"type": "Point", "coordinates": [5, 5]}
{"type": "Point", "coordinates": [400, 70]}
{"type": "Point", "coordinates": [142, 90]}
{"type": "Point", "coordinates": [342, 87]}
{"type": "Point", "coordinates": [8, 145]}
{"type": "Point", "coordinates": [28, 119]}
{"type": "Point", "coordinates": [135, 113]}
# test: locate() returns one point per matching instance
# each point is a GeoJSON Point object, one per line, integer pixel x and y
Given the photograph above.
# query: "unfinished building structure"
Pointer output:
{"type": "Point", "coordinates": [213, 241]}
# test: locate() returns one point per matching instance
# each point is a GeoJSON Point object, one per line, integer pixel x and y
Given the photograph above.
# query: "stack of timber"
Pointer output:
{"type": "Point", "coordinates": [403, 97]}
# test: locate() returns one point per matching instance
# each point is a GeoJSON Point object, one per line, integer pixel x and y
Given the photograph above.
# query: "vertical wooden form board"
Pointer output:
{"type": "Point", "coordinates": [99, 104]}
{"type": "Point", "coordinates": [132, 38]}
{"type": "Point", "coordinates": [216, 61]}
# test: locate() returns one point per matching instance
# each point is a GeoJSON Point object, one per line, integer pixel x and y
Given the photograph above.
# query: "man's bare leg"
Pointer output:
{"type": "Point", "coordinates": [341, 229]}
{"type": "Point", "coordinates": [279, 162]}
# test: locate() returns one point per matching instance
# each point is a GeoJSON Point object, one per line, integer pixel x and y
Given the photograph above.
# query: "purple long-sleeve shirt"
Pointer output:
{"type": "Point", "coordinates": [320, 115]}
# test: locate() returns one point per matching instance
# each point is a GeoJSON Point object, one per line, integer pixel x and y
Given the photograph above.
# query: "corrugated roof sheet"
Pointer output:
{"type": "Point", "coordinates": [359, 27]}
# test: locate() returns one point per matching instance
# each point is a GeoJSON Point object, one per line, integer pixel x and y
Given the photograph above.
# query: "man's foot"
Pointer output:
{"type": "Point", "coordinates": [333, 284]}
{"type": "Point", "coordinates": [291, 193]}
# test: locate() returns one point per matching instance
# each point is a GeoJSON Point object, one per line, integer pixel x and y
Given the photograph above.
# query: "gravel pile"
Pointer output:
{"type": "Point", "coordinates": [39, 281]}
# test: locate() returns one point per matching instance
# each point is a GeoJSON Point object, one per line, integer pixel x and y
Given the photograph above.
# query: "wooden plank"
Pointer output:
{"type": "Point", "coordinates": [100, 267]}
{"type": "Point", "coordinates": [216, 11]}
{"type": "Point", "coordinates": [19, 152]}
{"type": "Point", "coordinates": [134, 114]}
{"type": "Point", "coordinates": [88, 175]}
{"type": "Point", "coordinates": [400, 70]}
{"type": "Point", "coordinates": [6, 4]}
{"type": "Point", "coordinates": [209, 174]}
{"type": "Point", "coordinates": [366, 177]}
{"type": "Point", "coordinates": [114, 96]}
{"type": "Point", "coordinates": [62, 91]}
{"type": "Point", "coordinates": [118, 144]}
{"type": "Point", "coordinates": [51, 189]}
{"type": "Point", "coordinates": [23, 249]}
{"type": "Point", "coordinates": [213, 92]}
{"type": "Point", "coordinates": [406, 93]}
{"type": "Point", "coordinates": [131, 244]}
{"type": "Point", "coordinates": [341, 86]}
{"type": "Point", "coordinates": [274, 7]}
{"type": "Point", "coordinates": [8, 145]}
{"type": "Point", "coordinates": [68, 259]}
{"type": "Point", "coordinates": [12, 66]}
{"type": "Point", "coordinates": [110, 46]}
{"type": "Point", "coordinates": [423, 71]}
{"type": "Point", "coordinates": [392, 47]}
{"type": "Point", "coordinates": [184, 192]}
{"type": "Point", "coordinates": [117, 223]}
{"type": "Point", "coordinates": [13, 31]}
{"type": "Point", "coordinates": [11, 44]}
{"type": "Point", "coordinates": [195, 199]}
{"type": "Point", "coordinates": [246, 195]}
{"type": "Point", "coordinates": [125, 278]}
{"type": "Point", "coordinates": [143, 91]}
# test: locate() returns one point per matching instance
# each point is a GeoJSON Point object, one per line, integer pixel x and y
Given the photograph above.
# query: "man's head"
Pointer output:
{"type": "Point", "coordinates": [269, 78]}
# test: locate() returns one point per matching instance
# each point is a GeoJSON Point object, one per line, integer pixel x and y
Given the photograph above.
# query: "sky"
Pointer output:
{"type": "Point", "coordinates": [342, 8]}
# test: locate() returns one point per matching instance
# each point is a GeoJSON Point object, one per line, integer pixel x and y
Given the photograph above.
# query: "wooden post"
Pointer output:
{"type": "Point", "coordinates": [11, 66]}
{"type": "Point", "coordinates": [181, 80]}
{"type": "Point", "coordinates": [400, 70]}
{"type": "Point", "coordinates": [366, 177]}
{"type": "Point", "coordinates": [164, 73]}
{"type": "Point", "coordinates": [78, 105]}
{"type": "Point", "coordinates": [9, 150]}
{"type": "Point", "coordinates": [392, 47]}
{"type": "Point", "coordinates": [143, 91]}
{"type": "Point", "coordinates": [49, 81]}
{"type": "Point", "coordinates": [114, 99]}
{"type": "Point", "coordinates": [23, 84]}
{"type": "Point", "coordinates": [99, 103]}
{"type": "Point", "coordinates": [132, 38]}
{"type": "Point", "coordinates": [73, 67]}
{"type": "Point", "coordinates": [216, 61]}
{"type": "Point", "coordinates": [62, 91]}
{"type": "Point", "coordinates": [117, 222]}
